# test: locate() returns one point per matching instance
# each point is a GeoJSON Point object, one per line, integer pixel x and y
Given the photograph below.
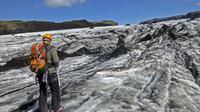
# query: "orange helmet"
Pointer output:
{"type": "Point", "coordinates": [47, 36]}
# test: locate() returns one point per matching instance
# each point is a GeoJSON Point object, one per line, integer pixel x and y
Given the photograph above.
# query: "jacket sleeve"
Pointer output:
{"type": "Point", "coordinates": [55, 57]}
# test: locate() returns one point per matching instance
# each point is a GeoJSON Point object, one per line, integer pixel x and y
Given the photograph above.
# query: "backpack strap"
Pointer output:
{"type": "Point", "coordinates": [39, 55]}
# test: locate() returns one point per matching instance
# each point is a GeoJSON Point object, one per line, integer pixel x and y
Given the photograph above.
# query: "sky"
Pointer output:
{"type": "Point", "coordinates": [122, 11]}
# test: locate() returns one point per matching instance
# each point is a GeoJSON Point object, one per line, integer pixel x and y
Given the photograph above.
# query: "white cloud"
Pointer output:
{"type": "Point", "coordinates": [194, 2]}
{"type": "Point", "coordinates": [198, 3]}
{"type": "Point", "coordinates": [61, 3]}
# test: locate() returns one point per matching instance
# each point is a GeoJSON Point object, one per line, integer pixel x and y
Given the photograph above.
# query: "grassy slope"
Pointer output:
{"type": "Point", "coordinates": [17, 26]}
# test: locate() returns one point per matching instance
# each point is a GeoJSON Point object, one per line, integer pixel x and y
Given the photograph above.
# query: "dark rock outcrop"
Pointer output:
{"type": "Point", "coordinates": [190, 15]}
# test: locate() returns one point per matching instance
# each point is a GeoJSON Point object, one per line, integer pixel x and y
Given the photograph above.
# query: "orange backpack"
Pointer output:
{"type": "Point", "coordinates": [38, 58]}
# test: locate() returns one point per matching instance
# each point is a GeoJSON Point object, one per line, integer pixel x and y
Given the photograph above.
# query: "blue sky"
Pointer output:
{"type": "Point", "coordinates": [122, 11]}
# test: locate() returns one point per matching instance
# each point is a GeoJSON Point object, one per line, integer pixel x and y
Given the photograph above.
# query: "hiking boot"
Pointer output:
{"type": "Point", "coordinates": [61, 109]}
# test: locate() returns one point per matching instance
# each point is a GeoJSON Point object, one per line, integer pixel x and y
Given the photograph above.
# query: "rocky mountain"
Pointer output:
{"type": "Point", "coordinates": [140, 68]}
{"type": "Point", "coordinates": [190, 15]}
{"type": "Point", "coordinates": [17, 26]}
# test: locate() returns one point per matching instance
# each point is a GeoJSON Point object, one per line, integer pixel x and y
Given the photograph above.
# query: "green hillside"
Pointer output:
{"type": "Point", "coordinates": [17, 26]}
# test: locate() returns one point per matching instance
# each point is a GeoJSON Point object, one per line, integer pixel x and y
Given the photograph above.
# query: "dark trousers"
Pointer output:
{"type": "Point", "coordinates": [55, 93]}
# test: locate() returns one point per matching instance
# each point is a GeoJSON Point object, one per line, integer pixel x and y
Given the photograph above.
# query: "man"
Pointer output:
{"type": "Point", "coordinates": [49, 76]}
